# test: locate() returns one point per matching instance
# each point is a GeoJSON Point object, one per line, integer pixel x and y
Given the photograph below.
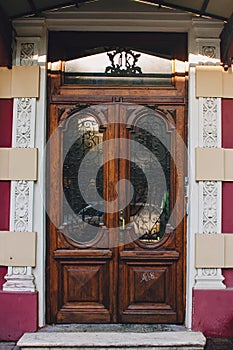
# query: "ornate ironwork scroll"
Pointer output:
{"type": "Point", "coordinates": [123, 62]}
{"type": "Point", "coordinates": [80, 217]}
{"type": "Point", "coordinates": [150, 200]}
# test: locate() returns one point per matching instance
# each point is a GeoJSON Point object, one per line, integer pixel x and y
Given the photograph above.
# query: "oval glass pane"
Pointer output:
{"type": "Point", "coordinates": [82, 212]}
{"type": "Point", "coordinates": [150, 178]}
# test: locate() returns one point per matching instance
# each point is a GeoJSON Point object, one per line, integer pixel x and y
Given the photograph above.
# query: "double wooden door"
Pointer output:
{"type": "Point", "coordinates": [115, 204]}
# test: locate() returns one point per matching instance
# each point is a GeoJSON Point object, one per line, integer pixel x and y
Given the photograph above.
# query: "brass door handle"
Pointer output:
{"type": "Point", "coordinates": [121, 220]}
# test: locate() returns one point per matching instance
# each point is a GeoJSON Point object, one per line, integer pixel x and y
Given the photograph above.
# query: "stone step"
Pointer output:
{"type": "Point", "coordinates": [114, 327]}
{"type": "Point", "coordinates": [187, 340]}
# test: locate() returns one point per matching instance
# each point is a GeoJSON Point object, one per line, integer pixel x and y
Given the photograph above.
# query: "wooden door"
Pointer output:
{"type": "Point", "coordinates": [115, 251]}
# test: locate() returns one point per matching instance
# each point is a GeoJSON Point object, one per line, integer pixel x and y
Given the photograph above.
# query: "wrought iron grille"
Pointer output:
{"type": "Point", "coordinates": [150, 207]}
{"type": "Point", "coordinates": [78, 215]}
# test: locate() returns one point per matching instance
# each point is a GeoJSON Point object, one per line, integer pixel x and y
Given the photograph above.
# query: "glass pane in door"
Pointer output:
{"type": "Point", "coordinates": [150, 178]}
{"type": "Point", "coordinates": [82, 207]}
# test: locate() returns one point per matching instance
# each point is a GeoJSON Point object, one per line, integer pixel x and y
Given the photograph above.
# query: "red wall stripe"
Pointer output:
{"type": "Point", "coordinates": [227, 142]}
{"type": "Point", "coordinates": [5, 186]}
{"type": "Point", "coordinates": [18, 315]}
{"type": "Point", "coordinates": [6, 115]}
{"type": "Point", "coordinates": [212, 312]}
{"type": "Point", "coordinates": [227, 187]}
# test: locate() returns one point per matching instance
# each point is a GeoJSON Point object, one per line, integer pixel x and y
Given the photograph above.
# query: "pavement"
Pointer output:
{"type": "Point", "coordinates": [219, 344]}
{"type": "Point", "coordinates": [8, 346]}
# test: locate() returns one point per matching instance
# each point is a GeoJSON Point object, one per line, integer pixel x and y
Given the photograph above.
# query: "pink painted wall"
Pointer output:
{"type": "Point", "coordinates": [227, 188]}
{"type": "Point", "coordinates": [5, 141]}
{"type": "Point", "coordinates": [6, 107]}
{"type": "Point", "coordinates": [18, 314]}
{"type": "Point", "coordinates": [213, 312]}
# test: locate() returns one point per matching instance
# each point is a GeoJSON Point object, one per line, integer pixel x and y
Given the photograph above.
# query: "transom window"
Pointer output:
{"type": "Point", "coordinates": [120, 66]}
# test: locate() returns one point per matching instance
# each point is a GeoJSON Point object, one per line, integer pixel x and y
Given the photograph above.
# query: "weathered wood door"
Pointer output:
{"type": "Point", "coordinates": [115, 250]}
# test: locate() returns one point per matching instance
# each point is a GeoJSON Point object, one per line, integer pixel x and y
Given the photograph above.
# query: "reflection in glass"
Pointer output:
{"type": "Point", "coordinates": [81, 217]}
{"type": "Point", "coordinates": [150, 179]}
{"type": "Point", "coordinates": [119, 67]}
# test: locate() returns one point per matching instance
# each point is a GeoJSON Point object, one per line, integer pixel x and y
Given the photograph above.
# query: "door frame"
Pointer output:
{"type": "Point", "coordinates": [163, 97]}
{"type": "Point", "coordinates": [201, 33]}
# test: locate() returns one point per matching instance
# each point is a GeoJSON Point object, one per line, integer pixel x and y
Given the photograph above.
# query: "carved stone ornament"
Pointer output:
{"type": "Point", "coordinates": [210, 136]}
{"type": "Point", "coordinates": [24, 122]}
{"type": "Point", "coordinates": [19, 279]}
{"type": "Point", "coordinates": [209, 51]}
{"type": "Point", "coordinates": [27, 53]}
{"type": "Point", "coordinates": [21, 218]}
{"type": "Point", "coordinates": [210, 215]}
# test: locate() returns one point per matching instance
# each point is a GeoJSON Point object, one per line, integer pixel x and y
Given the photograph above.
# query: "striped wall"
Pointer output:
{"type": "Point", "coordinates": [6, 114]}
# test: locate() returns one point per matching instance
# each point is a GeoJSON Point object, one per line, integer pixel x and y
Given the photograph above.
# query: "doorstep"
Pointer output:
{"type": "Point", "coordinates": [177, 340]}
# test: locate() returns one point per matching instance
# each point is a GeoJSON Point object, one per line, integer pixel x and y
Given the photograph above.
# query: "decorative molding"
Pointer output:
{"type": "Point", "coordinates": [23, 136]}
{"type": "Point", "coordinates": [209, 279]}
{"type": "Point", "coordinates": [27, 51]}
{"type": "Point", "coordinates": [209, 47]}
{"type": "Point", "coordinates": [30, 28]}
{"type": "Point", "coordinates": [23, 133]}
{"type": "Point", "coordinates": [210, 207]}
{"type": "Point", "coordinates": [19, 279]}
{"type": "Point", "coordinates": [162, 21]}
{"type": "Point", "coordinates": [22, 201]}
{"type": "Point", "coordinates": [209, 130]}
{"type": "Point", "coordinates": [204, 42]}
{"type": "Point", "coordinates": [207, 31]}
{"type": "Point", "coordinates": [209, 51]}
{"type": "Point", "coordinates": [210, 192]}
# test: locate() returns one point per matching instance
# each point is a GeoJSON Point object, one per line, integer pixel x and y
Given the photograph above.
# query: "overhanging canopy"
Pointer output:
{"type": "Point", "coordinates": [216, 9]}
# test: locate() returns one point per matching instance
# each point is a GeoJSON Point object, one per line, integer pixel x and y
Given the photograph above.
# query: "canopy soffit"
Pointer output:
{"type": "Point", "coordinates": [220, 10]}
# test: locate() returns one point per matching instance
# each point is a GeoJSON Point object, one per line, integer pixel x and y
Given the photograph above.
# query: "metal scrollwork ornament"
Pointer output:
{"type": "Point", "coordinates": [123, 62]}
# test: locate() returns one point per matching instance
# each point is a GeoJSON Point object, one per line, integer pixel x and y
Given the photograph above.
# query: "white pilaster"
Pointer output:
{"type": "Point", "coordinates": [21, 279]}
{"type": "Point", "coordinates": [210, 192]}
{"type": "Point", "coordinates": [206, 50]}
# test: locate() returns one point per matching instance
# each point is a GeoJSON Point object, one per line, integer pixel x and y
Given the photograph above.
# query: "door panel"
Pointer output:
{"type": "Point", "coordinates": [148, 292]}
{"type": "Point", "coordinates": [83, 292]}
{"type": "Point", "coordinates": [118, 259]}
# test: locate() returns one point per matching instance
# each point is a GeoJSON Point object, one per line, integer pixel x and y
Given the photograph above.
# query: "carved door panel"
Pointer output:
{"type": "Point", "coordinates": [115, 203]}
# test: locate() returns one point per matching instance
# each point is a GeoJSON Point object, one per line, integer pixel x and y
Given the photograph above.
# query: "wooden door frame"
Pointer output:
{"type": "Point", "coordinates": [162, 98]}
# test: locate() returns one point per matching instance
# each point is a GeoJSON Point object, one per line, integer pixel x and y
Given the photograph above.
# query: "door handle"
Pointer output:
{"type": "Point", "coordinates": [121, 220]}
